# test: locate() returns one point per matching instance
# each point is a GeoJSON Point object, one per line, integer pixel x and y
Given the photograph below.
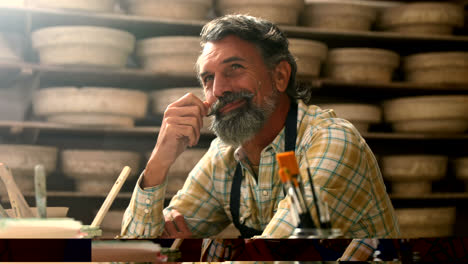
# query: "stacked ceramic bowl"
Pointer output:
{"type": "Point", "coordinates": [426, 222]}
{"type": "Point", "coordinates": [284, 12]}
{"type": "Point", "coordinates": [22, 159]}
{"type": "Point", "coordinates": [91, 106]}
{"type": "Point", "coordinates": [413, 174]}
{"type": "Point", "coordinates": [160, 99]}
{"type": "Point", "coordinates": [338, 15]}
{"type": "Point", "coordinates": [422, 18]}
{"type": "Point", "coordinates": [174, 56]}
{"type": "Point", "coordinates": [181, 168]}
{"type": "Point", "coordinates": [360, 115]}
{"type": "Point", "coordinates": [172, 9]}
{"type": "Point", "coordinates": [83, 45]}
{"type": "Point", "coordinates": [361, 64]}
{"type": "Point", "coordinates": [79, 5]}
{"type": "Point", "coordinates": [437, 67]}
{"type": "Point", "coordinates": [95, 171]}
{"type": "Point", "coordinates": [309, 56]}
{"type": "Point", "coordinates": [428, 114]}
{"type": "Point", "coordinates": [461, 170]}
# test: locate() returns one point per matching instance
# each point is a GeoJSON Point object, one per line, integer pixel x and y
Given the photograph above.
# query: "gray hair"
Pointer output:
{"type": "Point", "coordinates": [266, 36]}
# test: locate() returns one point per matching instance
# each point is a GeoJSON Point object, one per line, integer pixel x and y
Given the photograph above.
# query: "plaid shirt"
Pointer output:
{"type": "Point", "coordinates": [342, 167]}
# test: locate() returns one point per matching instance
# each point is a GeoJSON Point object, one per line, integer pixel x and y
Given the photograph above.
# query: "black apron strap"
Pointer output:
{"type": "Point", "coordinates": [289, 145]}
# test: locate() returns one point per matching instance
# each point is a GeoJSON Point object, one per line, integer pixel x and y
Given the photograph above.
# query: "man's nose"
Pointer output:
{"type": "Point", "coordinates": [221, 85]}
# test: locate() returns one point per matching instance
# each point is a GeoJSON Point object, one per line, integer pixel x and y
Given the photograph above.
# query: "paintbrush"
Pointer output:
{"type": "Point", "coordinates": [40, 190]}
{"type": "Point", "coordinates": [3, 213]}
{"type": "Point", "coordinates": [289, 172]}
{"type": "Point", "coordinates": [17, 201]}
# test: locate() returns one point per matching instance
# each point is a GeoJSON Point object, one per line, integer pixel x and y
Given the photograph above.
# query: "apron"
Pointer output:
{"type": "Point", "coordinates": [289, 145]}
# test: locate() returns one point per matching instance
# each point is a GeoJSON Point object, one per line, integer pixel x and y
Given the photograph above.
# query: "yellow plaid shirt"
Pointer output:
{"type": "Point", "coordinates": [342, 167]}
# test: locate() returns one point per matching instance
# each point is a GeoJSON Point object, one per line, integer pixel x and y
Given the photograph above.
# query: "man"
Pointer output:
{"type": "Point", "coordinates": [248, 76]}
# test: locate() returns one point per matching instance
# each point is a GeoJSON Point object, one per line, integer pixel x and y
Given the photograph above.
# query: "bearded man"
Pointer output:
{"type": "Point", "coordinates": [248, 76]}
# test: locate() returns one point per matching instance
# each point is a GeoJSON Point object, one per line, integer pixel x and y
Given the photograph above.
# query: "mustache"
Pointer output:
{"type": "Point", "coordinates": [227, 98]}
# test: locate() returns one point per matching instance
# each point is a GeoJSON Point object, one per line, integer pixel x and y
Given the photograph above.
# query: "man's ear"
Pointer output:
{"type": "Point", "coordinates": [281, 75]}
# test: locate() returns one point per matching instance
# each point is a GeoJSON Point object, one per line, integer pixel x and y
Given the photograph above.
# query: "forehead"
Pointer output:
{"type": "Point", "coordinates": [216, 52]}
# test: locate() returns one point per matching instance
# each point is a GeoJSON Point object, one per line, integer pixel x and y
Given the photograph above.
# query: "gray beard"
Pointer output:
{"type": "Point", "coordinates": [241, 124]}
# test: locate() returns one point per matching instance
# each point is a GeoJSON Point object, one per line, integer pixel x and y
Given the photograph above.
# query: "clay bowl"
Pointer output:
{"type": "Point", "coordinates": [361, 64]}
{"type": "Point", "coordinates": [79, 5]}
{"type": "Point", "coordinates": [169, 55]}
{"type": "Point", "coordinates": [309, 55]}
{"type": "Point", "coordinates": [360, 115]}
{"type": "Point", "coordinates": [426, 222]}
{"type": "Point", "coordinates": [95, 171]}
{"type": "Point", "coordinates": [428, 114]}
{"type": "Point", "coordinates": [285, 12]}
{"type": "Point", "coordinates": [338, 15]}
{"type": "Point", "coordinates": [91, 106]}
{"type": "Point", "coordinates": [83, 46]}
{"type": "Point", "coordinates": [22, 159]}
{"type": "Point", "coordinates": [180, 10]}
{"type": "Point", "coordinates": [437, 67]}
{"type": "Point", "coordinates": [426, 18]}
{"type": "Point", "coordinates": [413, 174]}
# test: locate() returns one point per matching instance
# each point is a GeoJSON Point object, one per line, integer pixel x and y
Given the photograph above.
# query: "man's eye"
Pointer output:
{"type": "Point", "coordinates": [208, 78]}
{"type": "Point", "coordinates": [236, 66]}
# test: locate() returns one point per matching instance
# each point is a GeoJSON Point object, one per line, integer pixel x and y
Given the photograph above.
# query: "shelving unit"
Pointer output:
{"type": "Point", "coordinates": [142, 137]}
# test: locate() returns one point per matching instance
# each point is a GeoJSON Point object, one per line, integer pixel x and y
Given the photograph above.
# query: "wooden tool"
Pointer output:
{"type": "Point", "coordinates": [17, 201]}
{"type": "Point", "coordinates": [40, 189]}
{"type": "Point", "coordinates": [111, 196]}
{"type": "Point", "coordinates": [176, 244]}
{"type": "Point", "coordinates": [3, 213]}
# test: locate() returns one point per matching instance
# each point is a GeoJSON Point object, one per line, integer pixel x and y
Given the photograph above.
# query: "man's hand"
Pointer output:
{"type": "Point", "coordinates": [175, 226]}
{"type": "Point", "coordinates": [180, 129]}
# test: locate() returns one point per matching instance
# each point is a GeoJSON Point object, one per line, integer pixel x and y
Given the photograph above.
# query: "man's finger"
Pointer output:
{"type": "Point", "coordinates": [181, 224]}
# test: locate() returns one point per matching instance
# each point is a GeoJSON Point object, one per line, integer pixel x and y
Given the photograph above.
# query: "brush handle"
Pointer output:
{"type": "Point", "coordinates": [17, 201]}
{"type": "Point", "coordinates": [111, 196]}
{"type": "Point", "coordinates": [40, 190]}
{"type": "Point", "coordinates": [176, 244]}
{"type": "Point", "coordinates": [3, 213]}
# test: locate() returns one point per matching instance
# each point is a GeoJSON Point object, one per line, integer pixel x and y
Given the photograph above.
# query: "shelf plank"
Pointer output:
{"type": "Point", "coordinates": [18, 127]}
{"type": "Point", "coordinates": [52, 75]}
{"type": "Point", "coordinates": [430, 196]}
{"type": "Point", "coordinates": [404, 44]}
{"type": "Point", "coordinates": [325, 86]}
{"type": "Point", "coordinates": [128, 195]}
{"type": "Point", "coordinates": [140, 26]}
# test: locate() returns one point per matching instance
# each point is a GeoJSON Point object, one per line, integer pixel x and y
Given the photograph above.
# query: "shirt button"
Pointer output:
{"type": "Point", "coordinates": [148, 201]}
{"type": "Point", "coordinates": [146, 211]}
{"type": "Point", "coordinates": [265, 193]}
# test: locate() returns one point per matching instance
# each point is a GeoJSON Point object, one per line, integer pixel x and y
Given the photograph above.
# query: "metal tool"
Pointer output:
{"type": "Point", "coordinates": [40, 190]}
{"type": "Point", "coordinates": [324, 223]}
{"type": "Point", "coordinates": [17, 201]}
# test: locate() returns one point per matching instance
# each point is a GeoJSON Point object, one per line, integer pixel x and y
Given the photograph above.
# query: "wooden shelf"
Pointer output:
{"type": "Point", "coordinates": [430, 196]}
{"type": "Point", "coordinates": [18, 127]}
{"type": "Point", "coordinates": [52, 75]}
{"type": "Point", "coordinates": [403, 44]}
{"type": "Point", "coordinates": [324, 87]}
{"type": "Point", "coordinates": [128, 195]}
